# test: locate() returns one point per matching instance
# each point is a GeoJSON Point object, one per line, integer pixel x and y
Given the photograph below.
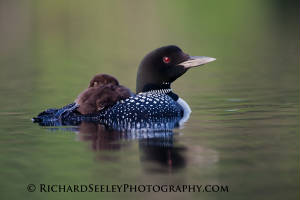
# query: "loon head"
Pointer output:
{"type": "Point", "coordinates": [164, 65]}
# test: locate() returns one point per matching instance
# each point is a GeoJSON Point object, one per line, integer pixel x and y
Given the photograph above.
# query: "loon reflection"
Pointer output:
{"type": "Point", "coordinates": [156, 147]}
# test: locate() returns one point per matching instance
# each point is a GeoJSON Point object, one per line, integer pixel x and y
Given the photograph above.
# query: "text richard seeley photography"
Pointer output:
{"type": "Point", "coordinates": [125, 188]}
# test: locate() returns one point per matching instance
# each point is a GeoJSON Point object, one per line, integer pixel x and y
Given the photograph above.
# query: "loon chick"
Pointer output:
{"type": "Point", "coordinates": [97, 80]}
{"type": "Point", "coordinates": [101, 97]}
{"type": "Point", "coordinates": [104, 91]}
{"type": "Point", "coordinates": [103, 79]}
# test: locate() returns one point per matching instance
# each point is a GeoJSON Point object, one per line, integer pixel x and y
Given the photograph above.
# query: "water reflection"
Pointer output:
{"type": "Point", "coordinates": [100, 137]}
{"type": "Point", "coordinates": [156, 147]}
{"type": "Point", "coordinates": [161, 151]}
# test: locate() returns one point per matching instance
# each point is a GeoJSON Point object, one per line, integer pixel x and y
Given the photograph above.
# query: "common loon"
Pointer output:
{"type": "Point", "coordinates": [154, 100]}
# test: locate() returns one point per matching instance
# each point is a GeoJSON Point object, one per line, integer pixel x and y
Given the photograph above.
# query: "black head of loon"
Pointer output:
{"type": "Point", "coordinates": [164, 65]}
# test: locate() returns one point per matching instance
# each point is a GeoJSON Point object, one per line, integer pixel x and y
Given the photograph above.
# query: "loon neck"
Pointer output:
{"type": "Point", "coordinates": [164, 88]}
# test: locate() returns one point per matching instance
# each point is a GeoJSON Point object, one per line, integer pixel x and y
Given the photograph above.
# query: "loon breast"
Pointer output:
{"type": "Point", "coordinates": [186, 111]}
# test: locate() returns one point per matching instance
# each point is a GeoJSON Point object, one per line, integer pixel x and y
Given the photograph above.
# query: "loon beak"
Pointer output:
{"type": "Point", "coordinates": [194, 61]}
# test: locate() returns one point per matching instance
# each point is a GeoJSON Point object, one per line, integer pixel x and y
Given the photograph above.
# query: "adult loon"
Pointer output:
{"type": "Point", "coordinates": [154, 100]}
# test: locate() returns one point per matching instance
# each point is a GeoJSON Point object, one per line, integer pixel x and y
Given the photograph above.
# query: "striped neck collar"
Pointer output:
{"type": "Point", "coordinates": [168, 92]}
{"type": "Point", "coordinates": [160, 91]}
{"type": "Point", "coordinates": [164, 88]}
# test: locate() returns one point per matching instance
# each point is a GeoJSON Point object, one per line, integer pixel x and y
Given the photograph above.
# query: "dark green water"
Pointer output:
{"type": "Point", "coordinates": [244, 128]}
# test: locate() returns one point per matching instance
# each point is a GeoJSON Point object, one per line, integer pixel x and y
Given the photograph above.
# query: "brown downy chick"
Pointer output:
{"type": "Point", "coordinates": [104, 91]}
{"type": "Point", "coordinates": [96, 81]}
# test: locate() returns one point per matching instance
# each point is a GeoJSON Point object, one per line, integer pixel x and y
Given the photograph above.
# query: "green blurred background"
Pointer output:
{"type": "Point", "coordinates": [244, 129]}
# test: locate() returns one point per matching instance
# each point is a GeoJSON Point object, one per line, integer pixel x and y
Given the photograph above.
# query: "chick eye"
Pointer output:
{"type": "Point", "coordinates": [166, 59]}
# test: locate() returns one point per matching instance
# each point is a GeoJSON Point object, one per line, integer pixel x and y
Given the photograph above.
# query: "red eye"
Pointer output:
{"type": "Point", "coordinates": [166, 59]}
